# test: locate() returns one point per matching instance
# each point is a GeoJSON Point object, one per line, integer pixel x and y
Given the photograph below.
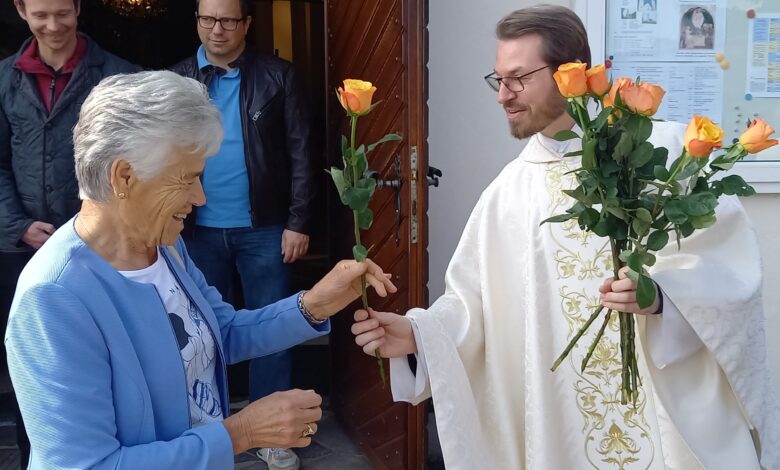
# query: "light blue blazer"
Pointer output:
{"type": "Point", "coordinates": [97, 368]}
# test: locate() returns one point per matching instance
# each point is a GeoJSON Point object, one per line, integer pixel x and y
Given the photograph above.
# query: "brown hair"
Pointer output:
{"type": "Point", "coordinates": [563, 35]}
{"type": "Point", "coordinates": [76, 3]}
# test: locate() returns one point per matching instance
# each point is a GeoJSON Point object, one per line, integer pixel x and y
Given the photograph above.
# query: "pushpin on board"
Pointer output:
{"type": "Point", "coordinates": [724, 64]}
{"type": "Point", "coordinates": [751, 13]}
{"type": "Point", "coordinates": [719, 57]}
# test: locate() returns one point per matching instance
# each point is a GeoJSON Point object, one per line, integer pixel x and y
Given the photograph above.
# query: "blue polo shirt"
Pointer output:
{"type": "Point", "coordinates": [225, 178]}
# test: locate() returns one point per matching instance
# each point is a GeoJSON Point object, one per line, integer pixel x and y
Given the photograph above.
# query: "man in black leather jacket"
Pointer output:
{"type": "Point", "coordinates": [260, 186]}
{"type": "Point", "coordinates": [42, 88]}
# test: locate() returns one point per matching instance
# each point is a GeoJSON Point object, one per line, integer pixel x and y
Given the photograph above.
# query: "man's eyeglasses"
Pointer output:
{"type": "Point", "coordinates": [514, 84]}
{"type": "Point", "coordinates": [228, 24]}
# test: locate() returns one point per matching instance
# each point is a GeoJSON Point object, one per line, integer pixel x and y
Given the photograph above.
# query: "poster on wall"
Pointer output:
{"type": "Point", "coordinates": [691, 88]}
{"type": "Point", "coordinates": [763, 54]}
{"type": "Point", "coordinates": [649, 30]}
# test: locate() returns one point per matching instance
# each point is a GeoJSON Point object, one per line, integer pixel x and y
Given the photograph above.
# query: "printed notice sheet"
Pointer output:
{"type": "Point", "coordinates": [763, 54]}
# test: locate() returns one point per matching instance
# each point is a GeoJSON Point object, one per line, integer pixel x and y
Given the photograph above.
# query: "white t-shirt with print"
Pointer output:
{"type": "Point", "coordinates": [196, 343]}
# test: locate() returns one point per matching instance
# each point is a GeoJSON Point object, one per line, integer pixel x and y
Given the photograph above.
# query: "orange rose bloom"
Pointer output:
{"type": "Point", "coordinates": [756, 137]}
{"type": "Point", "coordinates": [642, 99]}
{"type": "Point", "coordinates": [598, 83]}
{"type": "Point", "coordinates": [356, 96]}
{"type": "Point", "coordinates": [618, 84]}
{"type": "Point", "coordinates": [702, 136]}
{"type": "Point", "coordinates": [571, 79]}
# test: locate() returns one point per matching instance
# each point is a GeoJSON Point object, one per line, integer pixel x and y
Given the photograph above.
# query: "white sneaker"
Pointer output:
{"type": "Point", "coordinates": [279, 459]}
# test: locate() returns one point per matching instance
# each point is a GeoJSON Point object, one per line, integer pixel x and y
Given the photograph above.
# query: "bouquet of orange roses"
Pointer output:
{"type": "Point", "coordinates": [354, 186]}
{"type": "Point", "coordinates": [628, 192]}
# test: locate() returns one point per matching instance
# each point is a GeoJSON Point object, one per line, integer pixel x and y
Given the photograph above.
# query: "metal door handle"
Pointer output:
{"type": "Point", "coordinates": [433, 176]}
{"type": "Point", "coordinates": [396, 185]}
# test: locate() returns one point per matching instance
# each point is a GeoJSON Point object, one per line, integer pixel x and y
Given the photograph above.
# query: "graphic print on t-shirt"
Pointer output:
{"type": "Point", "coordinates": [196, 345]}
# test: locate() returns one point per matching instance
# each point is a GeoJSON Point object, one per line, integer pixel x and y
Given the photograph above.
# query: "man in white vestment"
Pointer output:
{"type": "Point", "coordinates": [516, 292]}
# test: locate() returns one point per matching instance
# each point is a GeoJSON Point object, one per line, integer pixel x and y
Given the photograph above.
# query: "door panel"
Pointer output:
{"type": "Point", "coordinates": [381, 41]}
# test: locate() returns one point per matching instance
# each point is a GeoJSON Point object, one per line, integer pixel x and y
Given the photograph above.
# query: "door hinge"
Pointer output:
{"type": "Point", "coordinates": [413, 225]}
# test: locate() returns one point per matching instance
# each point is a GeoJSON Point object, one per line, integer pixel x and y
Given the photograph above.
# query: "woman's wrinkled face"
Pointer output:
{"type": "Point", "coordinates": [154, 210]}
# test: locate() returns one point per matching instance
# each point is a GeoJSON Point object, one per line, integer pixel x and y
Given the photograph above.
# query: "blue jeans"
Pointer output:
{"type": "Point", "coordinates": [257, 254]}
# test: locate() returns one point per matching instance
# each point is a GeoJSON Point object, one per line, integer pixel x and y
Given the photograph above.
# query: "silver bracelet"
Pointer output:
{"type": "Point", "coordinates": [307, 314]}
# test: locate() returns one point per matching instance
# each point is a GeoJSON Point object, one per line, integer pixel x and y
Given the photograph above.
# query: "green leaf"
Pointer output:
{"type": "Point", "coordinates": [601, 119]}
{"type": "Point", "coordinates": [640, 128]}
{"type": "Point", "coordinates": [640, 227]}
{"type": "Point", "coordinates": [645, 291]}
{"type": "Point", "coordinates": [699, 204]}
{"type": "Point", "coordinates": [622, 148]}
{"type": "Point", "coordinates": [356, 198]}
{"type": "Point", "coordinates": [648, 259]}
{"type": "Point", "coordinates": [564, 135]}
{"type": "Point", "coordinates": [365, 218]}
{"type": "Point", "coordinates": [633, 275]}
{"type": "Point", "coordinates": [673, 210]}
{"type": "Point", "coordinates": [386, 138]}
{"type": "Point", "coordinates": [359, 252]}
{"type": "Point", "coordinates": [624, 255]}
{"type": "Point", "coordinates": [734, 184]}
{"type": "Point", "coordinates": [580, 195]}
{"type": "Point", "coordinates": [660, 156]}
{"type": "Point", "coordinates": [588, 218]}
{"type": "Point", "coordinates": [338, 179]}
{"type": "Point", "coordinates": [657, 240]}
{"type": "Point", "coordinates": [360, 161]}
{"type": "Point", "coordinates": [691, 168]}
{"type": "Point", "coordinates": [640, 155]}
{"type": "Point", "coordinates": [686, 230]}
{"type": "Point", "coordinates": [661, 173]}
{"type": "Point", "coordinates": [558, 218]}
{"type": "Point", "coordinates": [702, 221]}
{"type": "Point", "coordinates": [573, 154]}
{"type": "Point", "coordinates": [618, 212]}
{"type": "Point", "coordinates": [589, 160]}
{"type": "Point", "coordinates": [643, 215]}
{"type": "Point", "coordinates": [344, 146]}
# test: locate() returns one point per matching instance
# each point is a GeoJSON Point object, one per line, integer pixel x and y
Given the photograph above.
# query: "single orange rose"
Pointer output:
{"type": "Point", "coordinates": [356, 96]}
{"type": "Point", "coordinates": [617, 85]}
{"type": "Point", "coordinates": [598, 83]}
{"type": "Point", "coordinates": [702, 136]}
{"type": "Point", "coordinates": [642, 99]}
{"type": "Point", "coordinates": [571, 79]}
{"type": "Point", "coordinates": [756, 137]}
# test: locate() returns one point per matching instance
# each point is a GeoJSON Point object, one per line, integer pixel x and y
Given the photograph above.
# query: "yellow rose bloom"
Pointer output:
{"type": "Point", "coordinates": [756, 137]}
{"type": "Point", "coordinates": [356, 96]}
{"type": "Point", "coordinates": [702, 136]}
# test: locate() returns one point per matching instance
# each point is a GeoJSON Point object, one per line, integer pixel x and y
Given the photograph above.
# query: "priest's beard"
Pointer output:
{"type": "Point", "coordinates": [537, 118]}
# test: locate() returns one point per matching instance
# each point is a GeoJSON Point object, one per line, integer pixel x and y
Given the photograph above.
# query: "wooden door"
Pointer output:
{"type": "Point", "coordinates": [382, 41]}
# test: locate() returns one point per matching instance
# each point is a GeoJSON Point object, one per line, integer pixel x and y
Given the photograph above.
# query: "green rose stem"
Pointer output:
{"type": "Point", "coordinates": [363, 294]}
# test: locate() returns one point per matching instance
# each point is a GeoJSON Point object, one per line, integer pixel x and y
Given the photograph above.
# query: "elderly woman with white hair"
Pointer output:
{"type": "Point", "coordinates": [117, 347]}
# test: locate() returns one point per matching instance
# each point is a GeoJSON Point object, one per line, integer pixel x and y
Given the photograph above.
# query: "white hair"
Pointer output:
{"type": "Point", "coordinates": [139, 118]}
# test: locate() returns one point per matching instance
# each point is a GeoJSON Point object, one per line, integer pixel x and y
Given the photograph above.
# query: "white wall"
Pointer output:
{"type": "Point", "coordinates": [469, 141]}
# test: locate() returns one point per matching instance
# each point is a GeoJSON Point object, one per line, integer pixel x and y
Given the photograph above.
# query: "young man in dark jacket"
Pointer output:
{"type": "Point", "coordinates": [42, 87]}
{"type": "Point", "coordinates": [259, 187]}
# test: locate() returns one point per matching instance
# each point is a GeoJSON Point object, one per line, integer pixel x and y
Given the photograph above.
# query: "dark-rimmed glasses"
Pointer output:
{"type": "Point", "coordinates": [514, 84]}
{"type": "Point", "coordinates": [208, 22]}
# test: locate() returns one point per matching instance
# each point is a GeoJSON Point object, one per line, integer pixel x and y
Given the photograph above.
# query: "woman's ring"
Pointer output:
{"type": "Point", "coordinates": [309, 431]}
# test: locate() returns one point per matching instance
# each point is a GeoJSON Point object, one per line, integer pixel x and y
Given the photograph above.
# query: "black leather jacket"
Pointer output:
{"type": "Point", "coordinates": [277, 149]}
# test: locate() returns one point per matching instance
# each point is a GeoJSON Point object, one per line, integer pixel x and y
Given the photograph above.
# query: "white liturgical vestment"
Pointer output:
{"type": "Point", "coordinates": [515, 294]}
